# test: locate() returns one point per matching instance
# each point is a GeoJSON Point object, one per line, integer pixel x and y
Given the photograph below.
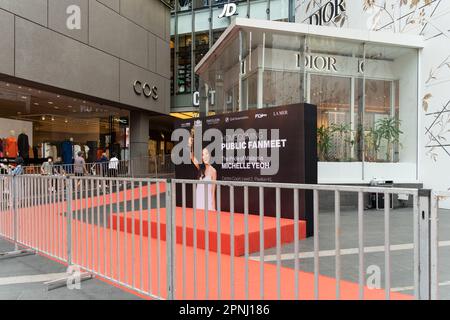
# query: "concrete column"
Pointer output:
{"type": "Point", "coordinates": [139, 135]}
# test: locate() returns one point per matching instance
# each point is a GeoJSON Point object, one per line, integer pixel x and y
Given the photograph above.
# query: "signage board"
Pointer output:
{"type": "Point", "coordinates": [273, 145]}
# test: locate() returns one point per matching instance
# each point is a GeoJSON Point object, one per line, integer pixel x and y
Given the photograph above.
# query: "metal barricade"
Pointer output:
{"type": "Point", "coordinates": [249, 275]}
{"type": "Point", "coordinates": [192, 239]}
{"type": "Point", "coordinates": [439, 226]}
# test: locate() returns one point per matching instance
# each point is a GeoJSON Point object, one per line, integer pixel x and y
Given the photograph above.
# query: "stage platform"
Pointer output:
{"type": "Point", "coordinates": [226, 232]}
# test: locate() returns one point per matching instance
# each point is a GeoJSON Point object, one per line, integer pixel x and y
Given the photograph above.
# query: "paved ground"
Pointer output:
{"type": "Point", "coordinates": [23, 279]}
{"type": "Point", "coordinates": [401, 254]}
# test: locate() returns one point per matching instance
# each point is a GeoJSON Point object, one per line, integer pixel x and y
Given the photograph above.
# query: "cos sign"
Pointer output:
{"type": "Point", "coordinates": [146, 90]}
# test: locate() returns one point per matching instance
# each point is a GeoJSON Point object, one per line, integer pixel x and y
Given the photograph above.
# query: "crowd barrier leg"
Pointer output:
{"type": "Point", "coordinates": [74, 273]}
{"type": "Point", "coordinates": [17, 252]}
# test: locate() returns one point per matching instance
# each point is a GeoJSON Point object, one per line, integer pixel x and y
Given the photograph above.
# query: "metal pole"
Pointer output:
{"type": "Point", "coordinates": [434, 247]}
{"type": "Point", "coordinates": [424, 244]}
{"type": "Point", "coordinates": [14, 207]}
{"type": "Point", "coordinates": [69, 220]}
{"type": "Point", "coordinates": [169, 241]}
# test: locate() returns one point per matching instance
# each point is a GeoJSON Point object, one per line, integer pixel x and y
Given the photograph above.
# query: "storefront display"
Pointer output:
{"type": "Point", "coordinates": [36, 124]}
{"type": "Point", "coordinates": [365, 90]}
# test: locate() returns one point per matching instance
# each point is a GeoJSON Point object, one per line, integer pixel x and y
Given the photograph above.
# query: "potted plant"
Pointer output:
{"type": "Point", "coordinates": [324, 142]}
{"type": "Point", "coordinates": [372, 145]}
{"type": "Point", "coordinates": [343, 131]}
{"type": "Point", "coordinates": [388, 129]}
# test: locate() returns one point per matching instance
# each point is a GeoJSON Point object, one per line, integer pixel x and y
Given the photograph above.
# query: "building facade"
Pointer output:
{"type": "Point", "coordinates": [85, 72]}
{"type": "Point", "coordinates": [428, 19]}
{"type": "Point", "coordinates": [205, 21]}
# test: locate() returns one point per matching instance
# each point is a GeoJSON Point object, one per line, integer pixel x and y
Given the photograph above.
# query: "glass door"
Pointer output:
{"type": "Point", "coordinates": [332, 96]}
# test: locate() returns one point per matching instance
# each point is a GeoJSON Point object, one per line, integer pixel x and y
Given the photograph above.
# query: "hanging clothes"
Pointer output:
{"type": "Point", "coordinates": [11, 147]}
{"type": "Point", "coordinates": [76, 149]}
{"type": "Point", "coordinates": [23, 146]}
{"type": "Point", "coordinates": [67, 152]}
{"type": "Point", "coordinates": [86, 152]}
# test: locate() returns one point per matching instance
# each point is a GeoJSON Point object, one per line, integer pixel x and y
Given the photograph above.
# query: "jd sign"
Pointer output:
{"type": "Point", "coordinates": [229, 9]}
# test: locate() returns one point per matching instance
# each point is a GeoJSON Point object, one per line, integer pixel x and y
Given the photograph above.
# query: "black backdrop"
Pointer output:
{"type": "Point", "coordinates": [298, 159]}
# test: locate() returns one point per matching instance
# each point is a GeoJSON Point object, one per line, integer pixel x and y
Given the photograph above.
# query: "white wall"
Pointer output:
{"type": "Point", "coordinates": [434, 156]}
{"type": "Point", "coordinates": [6, 125]}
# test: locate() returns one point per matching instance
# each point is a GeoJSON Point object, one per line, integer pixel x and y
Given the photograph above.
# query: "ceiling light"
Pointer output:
{"type": "Point", "coordinates": [53, 118]}
{"type": "Point", "coordinates": [43, 118]}
{"type": "Point", "coordinates": [50, 102]}
{"type": "Point", "coordinates": [36, 104]}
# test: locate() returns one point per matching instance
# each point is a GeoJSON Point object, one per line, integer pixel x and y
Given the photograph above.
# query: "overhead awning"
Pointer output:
{"type": "Point", "coordinates": [227, 46]}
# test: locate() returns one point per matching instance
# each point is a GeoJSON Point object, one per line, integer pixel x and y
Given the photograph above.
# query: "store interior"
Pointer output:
{"type": "Point", "coordinates": [37, 124]}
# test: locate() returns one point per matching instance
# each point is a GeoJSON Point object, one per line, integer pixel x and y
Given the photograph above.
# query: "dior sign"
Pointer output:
{"type": "Point", "coordinates": [145, 89]}
{"type": "Point", "coordinates": [328, 12]}
{"type": "Point", "coordinates": [318, 63]}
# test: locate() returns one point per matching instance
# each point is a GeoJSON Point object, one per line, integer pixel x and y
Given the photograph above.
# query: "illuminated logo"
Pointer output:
{"type": "Point", "coordinates": [229, 10]}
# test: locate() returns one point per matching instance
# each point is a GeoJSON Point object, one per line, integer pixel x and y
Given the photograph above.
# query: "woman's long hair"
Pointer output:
{"type": "Point", "coordinates": [201, 174]}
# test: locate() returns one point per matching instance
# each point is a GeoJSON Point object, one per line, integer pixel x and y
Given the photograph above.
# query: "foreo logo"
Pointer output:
{"type": "Point", "coordinates": [229, 9]}
{"type": "Point", "coordinates": [260, 115]}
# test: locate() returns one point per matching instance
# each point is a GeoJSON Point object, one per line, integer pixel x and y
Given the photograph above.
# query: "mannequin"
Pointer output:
{"type": "Point", "coordinates": [67, 151]}
{"type": "Point", "coordinates": [11, 145]}
{"type": "Point", "coordinates": [23, 145]}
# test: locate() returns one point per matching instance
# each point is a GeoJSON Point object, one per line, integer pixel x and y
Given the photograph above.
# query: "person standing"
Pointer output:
{"type": "Point", "coordinates": [113, 166]}
{"type": "Point", "coordinates": [103, 164]}
{"type": "Point", "coordinates": [79, 166]}
{"type": "Point", "coordinates": [18, 170]}
{"type": "Point", "coordinates": [47, 167]}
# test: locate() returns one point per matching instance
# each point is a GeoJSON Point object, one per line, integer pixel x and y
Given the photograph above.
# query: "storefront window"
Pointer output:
{"type": "Point", "coordinates": [205, 19]}
{"type": "Point", "coordinates": [58, 126]}
{"type": "Point", "coordinates": [366, 95]}
{"type": "Point", "coordinates": [183, 83]}
{"type": "Point", "coordinates": [332, 96]}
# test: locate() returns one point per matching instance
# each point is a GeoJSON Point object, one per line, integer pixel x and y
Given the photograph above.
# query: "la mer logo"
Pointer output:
{"type": "Point", "coordinates": [74, 20]}
{"type": "Point", "coordinates": [229, 9]}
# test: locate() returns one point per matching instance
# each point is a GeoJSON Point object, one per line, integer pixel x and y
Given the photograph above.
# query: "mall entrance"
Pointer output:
{"type": "Point", "coordinates": [37, 124]}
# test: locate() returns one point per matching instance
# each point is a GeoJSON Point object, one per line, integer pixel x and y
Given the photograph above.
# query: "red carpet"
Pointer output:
{"type": "Point", "coordinates": [286, 227]}
{"type": "Point", "coordinates": [133, 260]}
